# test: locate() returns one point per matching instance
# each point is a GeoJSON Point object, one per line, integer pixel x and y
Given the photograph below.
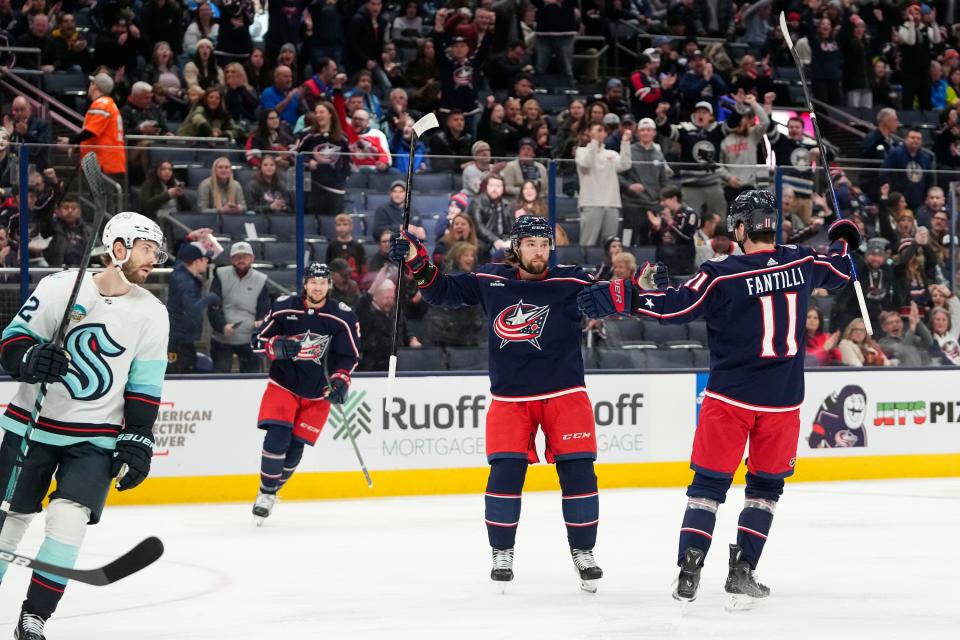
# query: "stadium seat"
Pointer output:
{"type": "Point", "coordinates": [566, 208]}
{"type": "Point", "coordinates": [697, 332]}
{"type": "Point", "coordinates": [664, 333]}
{"type": "Point", "coordinates": [285, 278]}
{"type": "Point", "coordinates": [178, 157]}
{"type": "Point", "coordinates": [193, 220]}
{"type": "Point", "coordinates": [66, 83]}
{"type": "Point", "coordinates": [644, 253]}
{"type": "Point", "coordinates": [280, 253]}
{"type": "Point", "coordinates": [572, 229]}
{"type": "Point", "coordinates": [328, 226]}
{"type": "Point", "coordinates": [669, 358]}
{"type": "Point", "coordinates": [358, 181]}
{"type": "Point", "coordinates": [624, 330]}
{"type": "Point", "coordinates": [371, 249]}
{"type": "Point", "coordinates": [318, 251]}
{"type": "Point", "coordinates": [589, 357]}
{"type": "Point", "coordinates": [374, 200]}
{"type": "Point", "coordinates": [621, 358]}
{"type": "Point", "coordinates": [432, 182]}
{"type": "Point", "coordinates": [701, 358]}
{"type": "Point", "coordinates": [594, 255]}
{"type": "Point", "coordinates": [553, 102]}
{"type": "Point", "coordinates": [570, 254]}
{"type": "Point", "coordinates": [284, 226]}
{"type": "Point", "coordinates": [467, 358]}
{"type": "Point", "coordinates": [422, 359]}
{"type": "Point", "coordinates": [235, 225]}
{"type": "Point", "coordinates": [380, 182]}
{"type": "Point", "coordinates": [196, 175]}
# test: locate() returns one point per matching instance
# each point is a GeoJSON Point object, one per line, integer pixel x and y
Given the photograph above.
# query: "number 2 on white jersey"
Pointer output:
{"type": "Point", "coordinates": [770, 326]}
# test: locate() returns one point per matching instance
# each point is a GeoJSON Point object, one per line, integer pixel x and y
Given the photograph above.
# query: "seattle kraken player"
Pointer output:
{"type": "Point", "coordinates": [298, 336]}
{"type": "Point", "coordinates": [752, 304]}
{"type": "Point", "coordinates": [102, 399]}
{"type": "Point", "coordinates": [536, 379]}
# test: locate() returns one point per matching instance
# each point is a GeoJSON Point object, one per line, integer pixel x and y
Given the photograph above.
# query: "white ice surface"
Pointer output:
{"type": "Point", "coordinates": [870, 560]}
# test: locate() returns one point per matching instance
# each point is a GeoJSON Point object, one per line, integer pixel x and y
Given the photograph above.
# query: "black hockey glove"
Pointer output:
{"type": "Point", "coordinates": [44, 363]}
{"type": "Point", "coordinates": [339, 385]}
{"type": "Point", "coordinates": [282, 348]}
{"type": "Point", "coordinates": [845, 230]}
{"type": "Point", "coordinates": [131, 460]}
{"type": "Point", "coordinates": [404, 248]}
{"type": "Point", "coordinates": [606, 298]}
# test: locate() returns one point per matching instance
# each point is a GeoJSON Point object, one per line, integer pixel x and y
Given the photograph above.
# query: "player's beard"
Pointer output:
{"type": "Point", "coordinates": [133, 273]}
{"type": "Point", "coordinates": [319, 302]}
{"type": "Point", "coordinates": [534, 270]}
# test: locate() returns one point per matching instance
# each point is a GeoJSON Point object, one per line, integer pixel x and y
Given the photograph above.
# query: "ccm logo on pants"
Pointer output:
{"type": "Point", "coordinates": [575, 436]}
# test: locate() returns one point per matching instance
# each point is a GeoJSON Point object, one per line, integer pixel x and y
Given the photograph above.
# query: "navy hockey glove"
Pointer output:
{"type": "Point", "coordinates": [339, 384]}
{"type": "Point", "coordinates": [131, 460]}
{"type": "Point", "coordinates": [606, 298]}
{"type": "Point", "coordinates": [282, 348]}
{"type": "Point", "coordinates": [845, 230]}
{"type": "Point", "coordinates": [652, 277]}
{"type": "Point", "coordinates": [44, 363]}
{"type": "Point", "coordinates": [406, 248]}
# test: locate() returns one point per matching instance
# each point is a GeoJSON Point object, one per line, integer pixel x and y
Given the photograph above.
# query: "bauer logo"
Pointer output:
{"type": "Point", "coordinates": [352, 417]}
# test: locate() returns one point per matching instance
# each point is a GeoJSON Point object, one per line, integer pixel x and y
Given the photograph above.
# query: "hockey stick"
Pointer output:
{"type": "Point", "coordinates": [142, 555]}
{"type": "Point", "coordinates": [344, 421]}
{"type": "Point", "coordinates": [420, 127]}
{"type": "Point", "coordinates": [98, 187]}
{"type": "Point", "coordinates": [823, 161]}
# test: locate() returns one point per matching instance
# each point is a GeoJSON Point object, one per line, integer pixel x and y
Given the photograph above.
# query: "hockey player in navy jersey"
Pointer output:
{"type": "Point", "coordinates": [754, 306]}
{"type": "Point", "coordinates": [536, 380]}
{"type": "Point", "coordinates": [103, 395]}
{"type": "Point", "coordinates": [313, 344]}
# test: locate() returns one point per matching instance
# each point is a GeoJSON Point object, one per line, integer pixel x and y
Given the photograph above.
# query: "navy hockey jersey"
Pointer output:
{"type": "Point", "coordinates": [332, 327]}
{"type": "Point", "coordinates": [755, 306]}
{"type": "Point", "coordinates": [533, 326]}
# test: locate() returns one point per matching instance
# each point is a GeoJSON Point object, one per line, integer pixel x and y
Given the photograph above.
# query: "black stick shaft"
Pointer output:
{"type": "Point", "coordinates": [406, 223]}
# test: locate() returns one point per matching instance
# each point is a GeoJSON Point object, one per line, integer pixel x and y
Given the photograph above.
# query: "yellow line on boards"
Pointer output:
{"type": "Point", "coordinates": [541, 477]}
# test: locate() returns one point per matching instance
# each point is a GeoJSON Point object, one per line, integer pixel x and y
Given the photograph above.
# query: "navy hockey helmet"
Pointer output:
{"type": "Point", "coordinates": [531, 227]}
{"type": "Point", "coordinates": [756, 209]}
{"type": "Point", "coordinates": [316, 270]}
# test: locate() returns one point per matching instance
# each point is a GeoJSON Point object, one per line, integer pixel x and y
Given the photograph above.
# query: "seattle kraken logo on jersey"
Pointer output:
{"type": "Point", "coordinates": [312, 346]}
{"type": "Point", "coordinates": [89, 376]}
{"type": "Point", "coordinates": [521, 323]}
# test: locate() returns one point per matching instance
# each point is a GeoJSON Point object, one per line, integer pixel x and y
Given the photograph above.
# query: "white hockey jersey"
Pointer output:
{"type": "Point", "coordinates": [118, 351]}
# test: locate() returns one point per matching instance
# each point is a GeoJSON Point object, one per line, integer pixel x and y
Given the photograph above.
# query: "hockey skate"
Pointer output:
{"type": "Point", "coordinates": [263, 507]}
{"type": "Point", "coordinates": [586, 568]}
{"type": "Point", "coordinates": [502, 570]}
{"type": "Point", "coordinates": [687, 584]}
{"type": "Point", "coordinates": [742, 585]}
{"type": "Point", "coordinates": [29, 627]}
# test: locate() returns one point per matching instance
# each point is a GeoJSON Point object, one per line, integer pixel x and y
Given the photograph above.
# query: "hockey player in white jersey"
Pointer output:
{"type": "Point", "coordinates": [102, 399]}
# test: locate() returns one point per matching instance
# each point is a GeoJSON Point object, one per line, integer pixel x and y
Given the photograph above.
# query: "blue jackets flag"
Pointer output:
{"type": "Point", "coordinates": [755, 306]}
{"type": "Point", "coordinates": [331, 328]}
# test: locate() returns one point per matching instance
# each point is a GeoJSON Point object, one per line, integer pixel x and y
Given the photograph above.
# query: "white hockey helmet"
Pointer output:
{"type": "Point", "coordinates": [130, 226]}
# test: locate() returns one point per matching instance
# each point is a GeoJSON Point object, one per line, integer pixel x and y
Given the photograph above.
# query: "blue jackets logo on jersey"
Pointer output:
{"type": "Point", "coordinates": [89, 376]}
{"type": "Point", "coordinates": [312, 346]}
{"type": "Point", "coordinates": [521, 323]}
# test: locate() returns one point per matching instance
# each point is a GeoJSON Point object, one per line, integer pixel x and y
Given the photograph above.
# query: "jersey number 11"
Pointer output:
{"type": "Point", "coordinates": [770, 327]}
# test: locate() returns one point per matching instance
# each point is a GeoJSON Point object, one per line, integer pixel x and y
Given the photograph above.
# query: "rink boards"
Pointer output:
{"type": "Point", "coordinates": [431, 440]}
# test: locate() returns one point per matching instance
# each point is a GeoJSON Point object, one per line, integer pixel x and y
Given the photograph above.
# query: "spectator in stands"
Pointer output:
{"type": "Point", "coordinates": [945, 325]}
{"type": "Point", "coordinates": [794, 153]}
{"type": "Point", "coordinates": [459, 70]}
{"type": "Point", "coordinates": [524, 168]}
{"type": "Point", "coordinates": [529, 200]}
{"type": "Point", "coordinates": [381, 258]}
{"type": "Point", "coordinates": [572, 121]}
{"type": "Point", "coordinates": [612, 247]}
{"type": "Point", "coordinates": [392, 64]}
{"type": "Point", "coordinates": [641, 184]}
{"type": "Point", "coordinates": [271, 135]}
{"type": "Point", "coordinates": [709, 243]}
{"type": "Point", "coordinates": [953, 87]}
{"type": "Point", "coordinates": [877, 281]}
{"type": "Point", "coordinates": [26, 128]}
{"type": "Point", "coordinates": [648, 89]}
{"type": "Point", "coordinates": [345, 287]}
{"type": "Point", "coordinates": [451, 147]}
{"type": "Point", "coordinates": [613, 97]}
{"type": "Point", "coordinates": [162, 21]}
{"type": "Point", "coordinates": [202, 27]}
{"type": "Point", "coordinates": [615, 134]}
{"type": "Point", "coordinates": [700, 139]}
{"type": "Point", "coordinates": [185, 306]}
{"type": "Point", "coordinates": [320, 85]}
{"type": "Point", "coordinates": [557, 23]}
{"type": "Point", "coordinates": [236, 17]}
{"type": "Point", "coordinates": [623, 265]}
{"type": "Point", "coordinates": [738, 150]}
{"type": "Point", "coordinates": [346, 247]}
{"type": "Point", "coordinates": [369, 146]}
{"type": "Point", "coordinates": [71, 235]}
{"type": "Point", "coordinates": [599, 200]}
{"type": "Point", "coordinates": [541, 137]}
{"type": "Point", "coordinates": [75, 49]}
{"type": "Point", "coordinates": [459, 202]}
{"type": "Point", "coordinates": [398, 107]}
{"type": "Point", "coordinates": [369, 101]}
{"type": "Point", "coordinates": [857, 349]}
{"type": "Point", "coordinates": [424, 66]}
{"type": "Point", "coordinates": [938, 86]}
{"type": "Point", "coordinates": [244, 300]}
{"type": "Point", "coordinates": [259, 73]}
{"type": "Point", "coordinates": [282, 97]}
{"type": "Point", "coordinates": [910, 348]}
{"type": "Point", "coordinates": [220, 193]}
{"type": "Point", "coordinates": [855, 48]}
{"type": "Point", "coordinates": [477, 171]}
{"type": "Point", "coordinates": [52, 51]}
{"type": "Point", "coordinates": [141, 115]}
{"type": "Point", "coordinates": [909, 168]}
{"type": "Point", "coordinates": [400, 148]}
{"type": "Point", "coordinates": [532, 114]}
{"type": "Point", "coordinates": [102, 129]}
{"type": "Point", "coordinates": [935, 201]}
{"type": "Point", "coordinates": [375, 312]}
{"type": "Point", "coordinates": [947, 141]}
{"type": "Point", "coordinates": [162, 194]}
{"type": "Point", "coordinates": [202, 70]}
{"type": "Point", "coordinates": [505, 68]}
{"type": "Point", "coordinates": [390, 215]}
{"type": "Point", "coordinates": [916, 39]}
{"type": "Point", "coordinates": [241, 99]}
{"type": "Point", "coordinates": [119, 47]}
{"type": "Point", "coordinates": [209, 119]}
{"type": "Point", "coordinates": [328, 160]}
{"type": "Point", "coordinates": [939, 236]}
{"type": "Point", "coordinates": [501, 134]}
{"type": "Point", "coordinates": [460, 326]}
{"type": "Point", "coordinates": [460, 229]}
{"type": "Point", "coordinates": [406, 30]}
{"type": "Point", "coordinates": [611, 122]}
{"type": "Point", "coordinates": [163, 69]}
{"type": "Point", "coordinates": [699, 85]}
{"type": "Point", "coordinates": [876, 146]}
{"type": "Point", "coordinates": [492, 216]}
{"type": "Point", "coordinates": [365, 34]}
{"type": "Point", "coordinates": [914, 272]}
{"type": "Point", "coordinates": [266, 192]}
{"type": "Point", "coordinates": [673, 231]}
{"type": "Point", "coordinates": [821, 345]}
{"type": "Point", "coordinates": [883, 93]}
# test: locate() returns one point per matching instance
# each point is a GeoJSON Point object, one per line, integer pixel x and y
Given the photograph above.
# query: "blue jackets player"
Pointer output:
{"type": "Point", "coordinates": [313, 344]}
{"type": "Point", "coordinates": [536, 380]}
{"type": "Point", "coordinates": [754, 306]}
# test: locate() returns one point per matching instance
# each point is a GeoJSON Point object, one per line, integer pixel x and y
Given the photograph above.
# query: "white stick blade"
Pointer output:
{"type": "Point", "coordinates": [785, 30]}
{"type": "Point", "coordinates": [863, 307]}
{"type": "Point", "coordinates": [424, 124]}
